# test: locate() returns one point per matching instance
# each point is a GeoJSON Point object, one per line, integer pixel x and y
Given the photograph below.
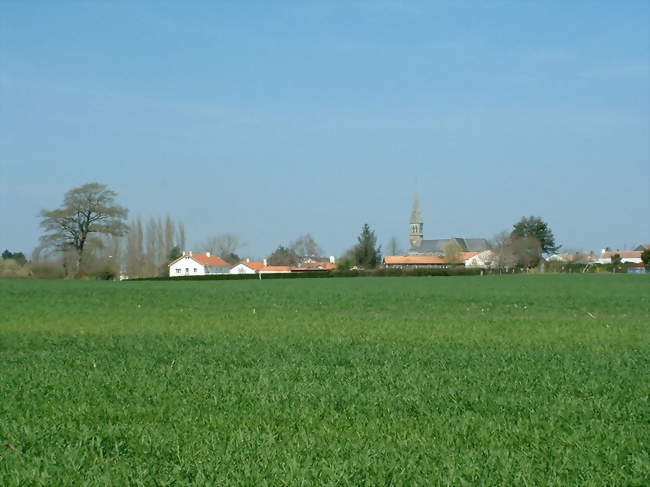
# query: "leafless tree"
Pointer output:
{"type": "Point", "coordinates": [393, 247]}
{"type": "Point", "coordinates": [87, 210]}
{"type": "Point", "coordinates": [503, 257]}
{"type": "Point", "coordinates": [225, 245]}
{"type": "Point", "coordinates": [306, 247]}
{"type": "Point", "coordinates": [134, 249]}
{"type": "Point", "coordinates": [452, 252]}
{"type": "Point", "coordinates": [181, 240]}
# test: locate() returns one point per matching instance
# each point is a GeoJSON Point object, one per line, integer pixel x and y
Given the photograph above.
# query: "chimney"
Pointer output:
{"type": "Point", "coordinates": [190, 253]}
{"type": "Point", "coordinates": [183, 253]}
{"type": "Point", "coordinates": [332, 259]}
{"type": "Point", "coordinates": [247, 259]}
{"type": "Point", "coordinates": [207, 254]}
{"type": "Point", "coordinates": [264, 262]}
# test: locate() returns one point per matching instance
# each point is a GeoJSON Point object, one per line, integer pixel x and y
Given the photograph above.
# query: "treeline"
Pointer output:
{"type": "Point", "coordinates": [144, 251]}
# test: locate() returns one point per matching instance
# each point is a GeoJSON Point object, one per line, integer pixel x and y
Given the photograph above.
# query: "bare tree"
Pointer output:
{"type": "Point", "coordinates": [225, 245]}
{"type": "Point", "coordinates": [180, 236]}
{"type": "Point", "coordinates": [134, 250]}
{"type": "Point", "coordinates": [89, 209]}
{"type": "Point", "coordinates": [452, 252]}
{"type": "Point", "coordinates": [169, 241]}
{"type": "Point", "coordinates": [393, 247]}
{"type": "Point", "coordinates": [503, 257]}
{"type": "Point", "coordinates": [305, 247]}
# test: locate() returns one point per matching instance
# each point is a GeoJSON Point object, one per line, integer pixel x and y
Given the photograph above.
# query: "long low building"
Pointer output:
{"type": "Point", "coordinates": [425, 261]}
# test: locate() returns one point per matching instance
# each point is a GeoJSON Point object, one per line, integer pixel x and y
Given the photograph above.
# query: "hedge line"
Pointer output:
{"type": "Point", "coordinates": [460, 271]}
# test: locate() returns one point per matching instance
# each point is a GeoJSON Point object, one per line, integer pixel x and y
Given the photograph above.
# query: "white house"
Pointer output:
{"type": "Point", "coordinates": [481, 260]}
{"type": "Point", "coordinates": [631, 256]}
{"type": "Point", "coordinates": [259, 267]}
{"type": "Point", "coordinates": [190, 264]}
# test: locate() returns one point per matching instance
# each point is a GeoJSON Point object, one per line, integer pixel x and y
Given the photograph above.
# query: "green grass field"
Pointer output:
{"type": "Point", "coordinates": [495, 380]}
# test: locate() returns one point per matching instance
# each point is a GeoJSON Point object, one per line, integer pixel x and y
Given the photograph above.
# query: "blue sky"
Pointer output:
{"type": "Point", "coordinates": [273, 119]}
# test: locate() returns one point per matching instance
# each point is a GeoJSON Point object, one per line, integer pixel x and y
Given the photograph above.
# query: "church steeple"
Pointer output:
{"type": "Point", "coordinates": [416, 234]}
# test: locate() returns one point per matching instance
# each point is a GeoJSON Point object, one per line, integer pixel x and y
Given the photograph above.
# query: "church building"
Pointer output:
{"type": "Point", "coordinates": [420, 246]}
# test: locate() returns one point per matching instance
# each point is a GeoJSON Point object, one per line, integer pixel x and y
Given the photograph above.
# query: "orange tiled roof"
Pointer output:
{"type": "Point", "coordinates": [259, 266]}
{"type": "Point", "coordinates": [463, 256]}
{"type": "Point", "coordinates": [212, 260]}
{"type": "Point", "coordinates": [203, 259]}
{"type": "Point", "coordinates": [425, 259]}
{"type": "Point", "coordinates": [414, 259]}
{"type": "Point", "coordinates": [625, 254]}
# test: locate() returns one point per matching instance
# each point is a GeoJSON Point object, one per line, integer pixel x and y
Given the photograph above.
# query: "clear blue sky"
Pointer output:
{"type": "Point", "coordinates": [273, 119]}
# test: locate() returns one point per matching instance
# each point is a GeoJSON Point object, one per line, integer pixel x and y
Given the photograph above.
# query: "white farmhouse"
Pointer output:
{"type": "Point", "coordinates": [259, 267]}
{"type": "Point", "coordinates": [631, 256]}
{"type": "Point", "coordinates": [190, 264]}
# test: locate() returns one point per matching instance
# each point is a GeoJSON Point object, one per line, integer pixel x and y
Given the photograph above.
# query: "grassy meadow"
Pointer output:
{"type": "Point", "coordinates": [493, 380]}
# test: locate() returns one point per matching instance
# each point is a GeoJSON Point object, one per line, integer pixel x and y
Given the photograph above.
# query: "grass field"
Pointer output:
{"type": "Point", "coordinates": [495, 380]}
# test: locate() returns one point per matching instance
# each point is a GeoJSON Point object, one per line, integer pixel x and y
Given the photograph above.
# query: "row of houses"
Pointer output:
{"type": "Point", "coordinates": [207, 264]}
{"type": "Point", "coordinates": [489, 259]}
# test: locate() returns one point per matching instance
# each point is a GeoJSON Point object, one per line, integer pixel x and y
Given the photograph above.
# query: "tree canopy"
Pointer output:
{"type": "Point", "coordinates": [535, 227]}
{"type": "Point", "coordinates": [283, 256]}
{"type": "Point", "coordinates": [88, 209]}
{"type": "Point", "coordinates": [366, 252]}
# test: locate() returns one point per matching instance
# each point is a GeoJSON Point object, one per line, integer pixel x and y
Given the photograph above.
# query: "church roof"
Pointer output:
{"type": "Point", "coordinates": [437, 246]}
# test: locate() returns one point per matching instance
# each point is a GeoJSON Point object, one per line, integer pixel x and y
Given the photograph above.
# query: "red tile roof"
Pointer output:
{"type": "Point", "coordinates": [414, 259]}
{"type": "Point", "coordinates": [203, 259]}
{"type": "Point", "coordinates": [212, 260]}
{"type": "Point", "coordinates": [425, 259]}
{"type": "Point", "coordinates": [625, 254]}
{"type": "Point", "coordinates": [259, 266]}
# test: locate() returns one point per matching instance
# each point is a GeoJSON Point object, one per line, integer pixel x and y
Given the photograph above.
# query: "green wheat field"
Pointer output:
{"type": "Point", "coordinates": [487, 380]}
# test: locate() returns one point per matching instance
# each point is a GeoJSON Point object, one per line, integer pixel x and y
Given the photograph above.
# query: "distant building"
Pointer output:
{"type": "Point", "coordinates": [190, 264]}
{"type": "Point", "coordinates": [577, 258]}
{"type": "Point", "coordinates": [425, 261]}
{"type": "Point", "coordinates": [642, 247]}
{"type": "Point", "coordinates": [318, 264]}
{"type": "Point", "coordinates": [420, 246]}
{"type": "Point", "coordinates": [259, 267]}
{"type": "Point", "coordinates": [631, 256]}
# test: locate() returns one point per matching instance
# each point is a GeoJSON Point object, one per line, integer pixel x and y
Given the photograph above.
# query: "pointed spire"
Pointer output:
{"type": "Point", "coordinates": [416, 214]}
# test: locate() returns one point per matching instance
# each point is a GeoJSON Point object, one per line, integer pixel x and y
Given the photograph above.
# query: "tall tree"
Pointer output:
{"type": "Point", "coordinates": [180, 236]}
{"type": "Point", "coordinates": [89, 209]}
{"type": "Point", "coordinates": [225, 245]}
{"type": "Point", "coordinates": [535, 227]}
{"type": "Point", "coordinates": [394, 247]}
{"type": "Point", "coordinates": [306, 247]}
{"type": "Point", "coordinates": [452, 252]}
{"type": "Point", "coordinates": [283, 256]}
{"type": "Point", "coordinates": [134, 249]}
{"type": "Point", "coordinates": [169, 238]}
{"type": "Point", "coordinates": [645, 257]}
{"type": "Point", "coordinates": [366, 252]}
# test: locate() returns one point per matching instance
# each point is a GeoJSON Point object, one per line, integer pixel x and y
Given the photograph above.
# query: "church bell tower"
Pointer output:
{"type": "Point", "coordinates": [416, 234]}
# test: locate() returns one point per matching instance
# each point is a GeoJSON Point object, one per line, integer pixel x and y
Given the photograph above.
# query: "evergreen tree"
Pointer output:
{"type": "Point", "coordinates": [366, 253]}
{"type": "Point", "coordinates": [535, 227]}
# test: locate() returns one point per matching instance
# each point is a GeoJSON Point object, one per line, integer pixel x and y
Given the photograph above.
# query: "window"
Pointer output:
{"type": "Point", "coordinates": [178, 271]}
{"type": "Point", "coordinates": [195, 269]}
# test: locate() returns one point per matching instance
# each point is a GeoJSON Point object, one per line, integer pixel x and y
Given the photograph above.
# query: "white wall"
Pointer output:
{"type": "Point", "coordinates": [186, 266]}
{"type": "Point", "coordinates": [482, 260]}
{"type": "Point", "coordinates": [241, 269]}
